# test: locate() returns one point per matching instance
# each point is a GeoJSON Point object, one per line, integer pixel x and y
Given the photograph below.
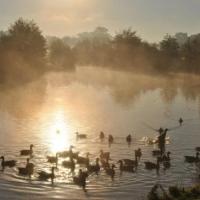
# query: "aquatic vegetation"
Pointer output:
{"type": "Point", "coordinates": [174, 193]}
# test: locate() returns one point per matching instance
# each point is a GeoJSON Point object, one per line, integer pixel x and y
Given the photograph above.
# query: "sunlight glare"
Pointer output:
{"type": "Point", "coordinates": [59, 133]}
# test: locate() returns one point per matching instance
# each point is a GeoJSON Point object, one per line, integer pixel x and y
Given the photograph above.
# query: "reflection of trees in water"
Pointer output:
{"type": "Point", "coordinates": [127, 87]}
{"type": "Point", "coordinates": [23, 101]}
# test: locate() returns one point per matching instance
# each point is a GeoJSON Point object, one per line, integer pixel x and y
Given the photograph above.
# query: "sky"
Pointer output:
{"type": "Point", "coordinates": [152, 19]}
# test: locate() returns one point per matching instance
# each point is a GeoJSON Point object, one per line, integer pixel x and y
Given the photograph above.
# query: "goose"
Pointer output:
{"type": "Point", "coordinates": [69, 153]}
{"type": "Point", "coordinates": [192, 159]}
{"type": "Point", "coordinates": [139, 153]}
{"type": "Point", "coordinates": [94, 168]}
{"type": "Point", "coordinates": [126, 168]}
{"type": "Point", "coordinates": [180, 121]}
{"type": "Point", "coordinates": [69, 164]}
{"type": "Point", "coordinates": [65, 154]}
{"type": "Point", "coordinates": [104, 155]}
{"type": "Point", "coordinates": [44, 176]}
{"type": "Point", "coordinates": [80, 136]}
{"type": "Point", "coordinates": [27, 152]}
{"type": "Point", "coordinates": [165, 157]}
{"type": "Point", "coordinates": [101, 135]}
{"type": "Point", "coordinates": [166, 164]}
{"type": "Point", "coordinates": [7, 163]}
{"type": "Point", "coordinates": [28, 170]}
{"type": "Point", "coordinates": [133, 163]}
{"type": "Point", "coordinates": [53, 159]}
{"type": "Point", "coordinates": [151, 165]}
{"type": "Point", "coordinates": [110, 171]}
{"type": "Point", "coordinates": [83, 160]}
{"type": "Point", "coordinates": [80, 180]}
{"type": "Point", "coordinates": [105, 163]}
{"type": "Point", "coordinates": [129, 139]}
{"type": "Point", "coordinates": [110, 139]}
{"type": "Point", "coordinates": [197, 148]}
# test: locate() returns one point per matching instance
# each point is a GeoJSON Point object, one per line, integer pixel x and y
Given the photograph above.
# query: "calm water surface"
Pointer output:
{"type": "Point", "coordinates": [90, 100]}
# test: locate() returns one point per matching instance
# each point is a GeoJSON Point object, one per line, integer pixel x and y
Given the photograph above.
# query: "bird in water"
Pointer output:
{"type": "Point", "coordinates": [53, 159]}
{"type": "Point", "coordinates": [69, 164]}
{"type": "Point", "coordinates": [125, 168]}
{"type": "Point", "coordinates": [44, 176]}
{"type": "Point", "coordinates": [94, 168]}
{"type": "Point", "coordinates": [151, 165]}
{"type": "Point", "coordinates": [80, 180]}
{"type": "Point", "coordinates": [110, 139]}
{"type": "Point", "coordinates": [129, 139]}
{"type": "Point", "coordinates": [7, 163]}
{"type": "Point", "coordinates": [139, 153]}
{"type": "Point", "coordinates": [197, 148]}
{"type": "Point", "coordinates": [133, 163]}
{"type": "Point", "coordinates": [69, 153]}
{"type": "Point", "coordinates": [80, 136]}
{"type": "Point", "coordinates": [110, 171]}
{"type": "Point", "coordinates": [28, 170]}
{"type": "Point", "coordinates": [83, 160]}
{"type": "Point", "coordinates": [101, 135]}
{"type": "Point", "coordinates": [104, 155]}
{"type": "Point", "coordinates": [180, 121]}
{"type": "Point", "coordinates": [192, 159]}
{"type": "Point", "coordinates": [27, 152]}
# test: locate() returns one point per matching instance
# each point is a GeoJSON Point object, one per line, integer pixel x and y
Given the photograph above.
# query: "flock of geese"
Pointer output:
{"type": "Point", "coordinates": [103, 162]}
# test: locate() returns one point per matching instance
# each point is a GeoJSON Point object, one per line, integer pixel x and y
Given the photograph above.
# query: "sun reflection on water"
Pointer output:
{"type": "Point", "coordinates": [58, 133]}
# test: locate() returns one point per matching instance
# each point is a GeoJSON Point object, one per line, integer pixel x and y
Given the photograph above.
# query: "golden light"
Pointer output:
{"type": "Point", "coordinates": [59, 132]}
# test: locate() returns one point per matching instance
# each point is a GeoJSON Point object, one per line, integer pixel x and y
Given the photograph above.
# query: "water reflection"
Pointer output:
{"type": "Point", "coordinates": [58, 132]}
{"type": "Point", "coordinates": [49, 111]}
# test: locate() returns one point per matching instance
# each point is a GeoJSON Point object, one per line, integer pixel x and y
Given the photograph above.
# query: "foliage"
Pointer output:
{"type": "Point", "coordinates": [22, 51]}
{"type": "Point", "coordinates": [60, 54]}
{"type": "Point", "coordinates": [175, 193]}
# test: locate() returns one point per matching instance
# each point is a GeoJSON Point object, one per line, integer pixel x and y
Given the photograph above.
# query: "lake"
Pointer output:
{"type": "Point", "coordinates": [90, 100]}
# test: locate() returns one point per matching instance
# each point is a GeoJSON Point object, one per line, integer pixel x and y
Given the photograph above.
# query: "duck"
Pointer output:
{"type": "Point", "coordinates": [28, 170]}
{"type": "Point", "coordinates": [110, 171]}
{"type": "Point", "coordinates": [53, 159]}
{"type": "Point", "coordinates": [151, 165]}
{"type": "Point", "coordinates": [101, 135]}
{"type": "Point", "coordinates": [44, 176]}
{"type": "Point", "coordinates": [129, 139]}
{"type": "Point", "coordinates": [69, 164]}
{"type": "Point", "coordinates": [104, 155]}
{"type": "Point", "coordinates": [83, 160]}
{"type": "Point", "coordinates": [94, 168]}
{"type": "Point", "coordinates": [126, 168]}
{"type": "Point", "coordinates": [7, 163]}
{"type": "Point", "coordinates": [192, 159]}
{"type": "Point", "coordinates": [27, 152]}
{"type": "Point", "coordinates": [80, 136]}
{"type": "Point", "coordinates": [131, 162]}
{"type": "Point", "coordinates": [80, 180]}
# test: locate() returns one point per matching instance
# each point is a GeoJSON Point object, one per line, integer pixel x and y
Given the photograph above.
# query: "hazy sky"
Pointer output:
{"type": "Point", "coordinates": [151, 18]}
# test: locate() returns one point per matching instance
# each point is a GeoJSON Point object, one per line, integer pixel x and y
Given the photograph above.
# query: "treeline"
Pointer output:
{"type": "Point", "coordinates": [25, 53]}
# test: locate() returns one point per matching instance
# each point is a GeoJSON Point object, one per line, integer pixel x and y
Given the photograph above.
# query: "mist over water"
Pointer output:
{"type": "Point", "coordinates": [90, 100]}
